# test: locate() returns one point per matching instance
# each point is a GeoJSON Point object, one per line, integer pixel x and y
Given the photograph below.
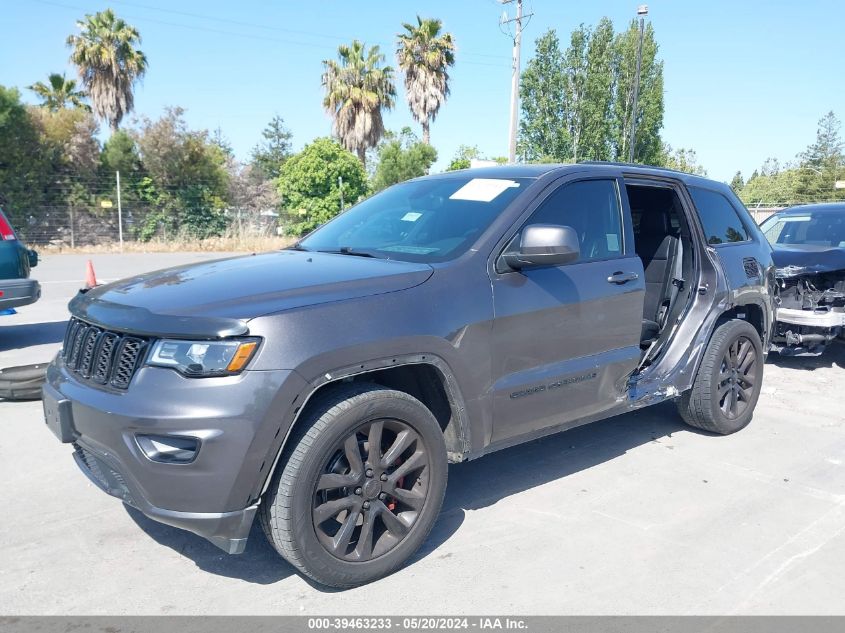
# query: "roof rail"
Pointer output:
{"type": "Point", "coordinates": [637, 165]}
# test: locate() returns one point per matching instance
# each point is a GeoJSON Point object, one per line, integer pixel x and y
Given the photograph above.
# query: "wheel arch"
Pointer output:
{"type": "Point", "coordinates": [427, 377]}
{"type": "Point", "coordinates": [751, 312]}
{"type": "Point", "coordinates": [755, 314]}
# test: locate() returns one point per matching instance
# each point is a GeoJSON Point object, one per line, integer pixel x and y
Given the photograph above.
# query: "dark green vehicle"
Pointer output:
{"type": "Point", "coordinates": [16, 289]}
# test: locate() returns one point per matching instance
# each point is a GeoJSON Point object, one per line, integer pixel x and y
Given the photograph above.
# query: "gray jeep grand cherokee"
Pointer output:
{"type": "Point", "coordinates": [326, 387]}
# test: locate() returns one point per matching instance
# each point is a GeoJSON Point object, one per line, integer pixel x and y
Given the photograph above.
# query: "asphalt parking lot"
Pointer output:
{"type": "Point", "coordinates": [633, 515]}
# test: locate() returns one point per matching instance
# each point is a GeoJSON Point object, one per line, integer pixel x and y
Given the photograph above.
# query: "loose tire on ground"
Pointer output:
{"type": "Point", "coordinates": [732, 364]}
{"type": "Point", "coordinates": [319, 458]}
{"type": "Point", "coordinates": [22, 383]}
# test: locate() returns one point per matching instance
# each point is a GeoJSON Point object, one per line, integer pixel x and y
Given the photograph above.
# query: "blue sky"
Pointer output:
{"type": "Point", "coordinates": [745, 79]}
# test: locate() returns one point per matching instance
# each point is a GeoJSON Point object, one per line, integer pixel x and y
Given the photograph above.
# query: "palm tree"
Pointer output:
{"type": "Point", "coordinates": [60, 93]}
{"type": "Point", "coordinates": [425, 56]}
{"type": "Point", "coordinates": [358, 87]}
{"type": "Point", "coordinates": [108, 63]}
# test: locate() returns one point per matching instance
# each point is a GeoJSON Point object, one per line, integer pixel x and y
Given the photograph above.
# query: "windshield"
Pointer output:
{"type": "Point", "coordinates": [422, 221]}
{"type": "Point", "coordinates": [816, 229]}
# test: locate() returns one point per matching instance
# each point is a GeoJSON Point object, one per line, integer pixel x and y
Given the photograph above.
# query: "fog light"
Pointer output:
{"type": "Point", "coordinates": [168, 449]}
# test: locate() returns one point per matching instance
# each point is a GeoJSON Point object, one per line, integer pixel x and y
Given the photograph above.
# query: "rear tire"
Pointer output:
{"type": "Point", "coordinates": [728, 382]}
{"type": "Point", "coordinates": [342, 513]}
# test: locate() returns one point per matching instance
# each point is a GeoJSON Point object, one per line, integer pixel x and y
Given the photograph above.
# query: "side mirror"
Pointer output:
{"type": "Point", "coordinates": [544, 245]}
{"type": "Point", "coordinates": [33, 258]}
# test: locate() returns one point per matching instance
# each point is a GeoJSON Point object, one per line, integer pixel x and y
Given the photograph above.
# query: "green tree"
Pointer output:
{"type": "Point", "coordinates": [826, 152]}
{"type": "Point", "coordinates": [402, 158]}
{"type": "Point", "coordinates": [811, 179]}
{"type": "Point", "coordinates": [357, 88]}
{"type": "Point", "coordinates": [59, 93]}
{"type": "Point", "coordinates": [186, 181]}
{"type": "Point", "coordinates": [681, 159]}
{"type": "Point", "coordinates": [109, 64]}
{"type": "Point", "coordinates": [737, 183]}
{"type": "Point", "coordinates": [463, 156]}
{"type": "Point", "coordinates": [24, 166]}
{"type": "Point", "coordinates": [543, 131]}
{"type": "Point", "coordinates": [120, 154]}
{"type": "Point", "coordinates": [310, 184]}
{"type": "Point", "coordinates": [771, 185]}
{"type": "Point", "coordinates": [575, 84]}
{"type": "Point", "coordinates": [466, 153]}
{"type": "Point", "coordinates": [269, 155]}
{"type": "Point", "coordinates": [68, 137]}
{"type": "Point", "coordinates": [822, 163]}
{"type": "Point", "coordinates": [649, 115]}
{"type": "Point", "coordinates": [594, 136]}
{"type": "Point", "coordinates": [425, 56]}
{"type": "Point", "coordinates": [222, 142]}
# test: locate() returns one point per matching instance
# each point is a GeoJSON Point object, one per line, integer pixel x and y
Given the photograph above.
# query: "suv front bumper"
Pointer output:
{"type": "Point", "coordinates": [15, 293]}
{"type": "Point", "coordinates": [238, 422]}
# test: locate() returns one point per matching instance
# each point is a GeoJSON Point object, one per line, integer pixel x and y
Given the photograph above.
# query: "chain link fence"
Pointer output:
{"type": "Point", "coordinates": [79, 226]}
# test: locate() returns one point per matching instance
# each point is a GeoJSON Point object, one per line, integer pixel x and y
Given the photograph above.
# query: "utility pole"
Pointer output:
{"type": "Point", "coordinates": [642, 11]}
{"type": "Point", "coordinates": [119, 212]}
{"type": "Point", "coordinates": [340, 187]}
{"type": "Point", "coordinates": [517, 46]}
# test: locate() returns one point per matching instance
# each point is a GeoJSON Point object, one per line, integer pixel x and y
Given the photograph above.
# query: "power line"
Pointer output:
{"type": "Point", "coordinates": [268, 27]}
{"type": "Point", "coordinates": [252, 36]}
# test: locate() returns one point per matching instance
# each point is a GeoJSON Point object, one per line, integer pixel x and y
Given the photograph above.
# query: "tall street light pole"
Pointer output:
{"type": "Point", "coordinates": [642, 11]}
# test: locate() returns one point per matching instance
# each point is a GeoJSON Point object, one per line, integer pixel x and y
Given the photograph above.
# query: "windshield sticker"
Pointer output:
{"type": "Point", "coordinates": [483, 189]}
{"type": "Point", "coordinates": [411, 216]}
{"type": "Point", "coordinates": [796, 218]}
{"type": "Point", "coordinates": [612, 242]}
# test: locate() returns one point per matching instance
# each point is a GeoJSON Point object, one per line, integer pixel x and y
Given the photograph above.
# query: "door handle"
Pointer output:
{"type": "Point", "coordinates": [620, 278]}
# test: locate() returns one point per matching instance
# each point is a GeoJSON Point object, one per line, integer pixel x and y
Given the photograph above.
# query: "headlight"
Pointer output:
{"type": "Point", "coordinates": [203, 358]}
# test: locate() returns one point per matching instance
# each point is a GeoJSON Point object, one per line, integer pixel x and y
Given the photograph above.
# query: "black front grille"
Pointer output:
{"type": "Point", "coordinates": [107, 358]}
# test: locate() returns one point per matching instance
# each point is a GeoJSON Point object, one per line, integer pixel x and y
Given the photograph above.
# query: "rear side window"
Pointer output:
{"type": "Point", "coordinates": [591, 207]}
{"type": "Point", "coordinates": [719, 218]}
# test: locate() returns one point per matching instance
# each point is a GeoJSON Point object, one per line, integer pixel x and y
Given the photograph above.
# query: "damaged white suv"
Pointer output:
{"type": "Point", "coordinates": [808, 243]}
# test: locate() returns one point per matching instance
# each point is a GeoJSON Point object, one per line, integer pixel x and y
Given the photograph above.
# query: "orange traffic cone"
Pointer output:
{"type": "Point", "coordinates": [90, 277]}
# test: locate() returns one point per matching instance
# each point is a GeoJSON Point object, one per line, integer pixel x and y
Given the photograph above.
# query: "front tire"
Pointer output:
{"type": "Point", "coordinates": [360, 488]}
{"type": "Point", "coordinates": [728, 382]}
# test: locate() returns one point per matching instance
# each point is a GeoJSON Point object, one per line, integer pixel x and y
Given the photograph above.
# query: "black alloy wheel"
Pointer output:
{"type": "Point", "coordinates": [371, 490]}
{"type": "Point", "coordinates": [737, 378]}
{"type": "Point", "coordinates": [728, 381]}
{"type": "Point", "coordinates": [360, 484]}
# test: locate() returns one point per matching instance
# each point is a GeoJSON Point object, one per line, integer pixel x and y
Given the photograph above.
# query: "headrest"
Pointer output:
{"type": "Point", "coordinates": [653, 223]}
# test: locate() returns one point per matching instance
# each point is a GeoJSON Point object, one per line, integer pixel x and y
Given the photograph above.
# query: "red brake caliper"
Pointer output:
{"type": "Point", "coordinates": [392, 505]}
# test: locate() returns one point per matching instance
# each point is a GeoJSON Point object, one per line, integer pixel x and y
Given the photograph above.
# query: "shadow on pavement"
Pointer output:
{"type": "Point", "coordinates": [833, 356]}
{"type": "Point", "coordinates": [488, 480]}
{"type": "Point", "coordinates": [472, 485]}
{"type": "Point", "coordinates": [29, 334]}
{"type": "Point", "coordinates": [259, 564]}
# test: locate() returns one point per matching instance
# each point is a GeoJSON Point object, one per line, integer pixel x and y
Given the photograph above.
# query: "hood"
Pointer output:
{"type": "Point", "coordinates": [792, 260]}
{"type": "Point", "coordinates": [217, 298]}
